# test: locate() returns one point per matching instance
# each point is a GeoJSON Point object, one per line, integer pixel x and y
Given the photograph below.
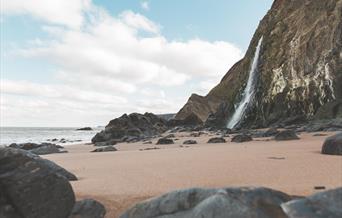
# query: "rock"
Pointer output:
{"type": "Point", "coordinates": [190, 120]}
{"type": "Point", "coordinates": [333, 145]}
{"type": "Point", "coordinates": [148, 149]}
{"type": "Point", "coordinates": [107, 143]}
{"type": "Point", "coordinates": [164, 141]}
{"type": "Point", "coordinates": [217, 140]}
{"type": "Point", "coordinates": [189, 142]}
{"type": "Point", "coordinates": [147, 142]}
{"type": "Point", "coordinates": [134, 126]}
{"type": "Point", "coordinates": [170, 136]}
{"type": "Point", "coordinates": [25, 146]}
{"type": "Point", "coordinates": [39, 149]}
{"type": "Point", "coordinates": [218, 119]}
{"type": "Point", "coordinates": [47, 149]}
{"type": "Point", "coordinates": [299, 72]}
{"type": "Point", "coordinates": [286, 135]}
{"type": "Point", "coordinates": [32, 187]}
{"type": "Point", "coordinates": [212, 203]}
{"type": "Point", "coordinates": [7, 210]}
{"type": "Point", "coordinates": [241, 138]}
{"type": "Point", "coordinates": [270, 132]}
{"type": "Point", "coordinates": [325, 204]}
{"type": "Point", "coordinates": [84, 129]}
{"type": "Point", "coordinates": [88, 208]}
{"type": "Point", "coordinates": [105, 149]}
{"type": "Point", "coordinates": [196, 134]}
{"type": "Point", "coordinates": [319, 134]}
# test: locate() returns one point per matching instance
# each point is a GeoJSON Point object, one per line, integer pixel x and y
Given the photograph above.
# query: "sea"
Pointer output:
{"type": "Point", "coordinates": [55, 135]}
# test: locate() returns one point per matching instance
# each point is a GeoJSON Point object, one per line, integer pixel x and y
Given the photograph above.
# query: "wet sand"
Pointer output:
{"type": "Point", "coordinates": [120, 179]}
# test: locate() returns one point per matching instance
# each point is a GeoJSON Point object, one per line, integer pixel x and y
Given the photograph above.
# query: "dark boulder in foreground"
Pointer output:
{"type": "Point", "coordinates": [333, 145]}
{"type": "Point", "coordinates": [241, 138]}
{"type": "Point", "coordinates": [213, 203]}
{"type": "Point", "coordinates": [88, 208]}
{"type": "Point", "coordinates": [326, 204]}
{"type": "Point", "coordinates": [190, 142]}
{"type": "Point", "coordinates": [126, 127]}
{"type": "Point", "coordinates": [165, 141]}
{"type": "Point", "coordinates": [84, 129]}
{"type": "Point", "coordinates": [32, 187]}
{"type": "Point", "coordinates": [105, 149]}
{"type": "Point", "coordinates": [286, 135]}
{"type": "Point", "coordinates": [217, 140]}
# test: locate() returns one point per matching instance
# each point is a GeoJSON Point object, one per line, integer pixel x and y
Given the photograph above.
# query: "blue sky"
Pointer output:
{"type": "Point", "coordinates": [60, 59]}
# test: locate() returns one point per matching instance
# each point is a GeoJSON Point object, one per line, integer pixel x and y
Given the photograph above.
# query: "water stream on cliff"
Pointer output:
{"type": "Point", "coordinates": [248, 93]}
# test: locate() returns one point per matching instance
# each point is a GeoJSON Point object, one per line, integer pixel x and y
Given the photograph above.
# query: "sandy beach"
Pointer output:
{"type": "Point", "coordinates": [120, 179]}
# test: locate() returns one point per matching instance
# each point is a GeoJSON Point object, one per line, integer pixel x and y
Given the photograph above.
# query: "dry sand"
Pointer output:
{"type": "Point", "coordinates": [120, 179]}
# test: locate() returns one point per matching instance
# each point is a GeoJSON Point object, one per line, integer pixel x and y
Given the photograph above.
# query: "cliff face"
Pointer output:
{"type": "Point", "coordinates": [299, 70]}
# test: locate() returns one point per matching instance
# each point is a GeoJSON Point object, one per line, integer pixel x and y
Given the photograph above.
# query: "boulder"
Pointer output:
{"type": "Point", "coordinates": [327, 204]}
{"type": "Point", "coordinates": [39, 149]}
{"type": "Point", "coordinates": [105, 149]}
{"type": "Point", "coordinates": [126, 127]}
{"type": "Point", "coordinates": [47, 149]}
{"type": "Point", "coordinates": [241, 138]}
{"type": "Point", "coordinates": [165, 141]}
{"type": "Point", "coordinates": [286, 135]}
{"type": "Point", "coordinates": [217, 140]}
{"type": "Point", "coordinates": [270, 132]}
{"type": "Point", "coordinates": [212, 203]}
{"type": "Point", "coordinates": [189, 142]}
{"type": "Point", "coordinates": [7, 209]}
{"type": "Point", "coordinates": [333, 145]}
{"type": "Point", "coordinates": [84, 129]}
{"type": "Point", "coordinates": [32, 187]}
{"type": "Point", "coordinates": [88, 208]}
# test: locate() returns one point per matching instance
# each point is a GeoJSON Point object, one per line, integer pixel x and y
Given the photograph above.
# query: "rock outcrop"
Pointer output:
{"type": "Point", "coordinates": [299, 71]}
{"type": "Point", "coordinates": [213, 203]}
{"type": "Point", "coordinates": [131, 127]}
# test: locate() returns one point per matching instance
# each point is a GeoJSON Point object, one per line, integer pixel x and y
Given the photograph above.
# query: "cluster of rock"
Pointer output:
{"type": "Point", "coordinates": [131, 128]}
{"type": "Point", "coordinates": [238, 202]}
{"type": "Point", "coordinates": [33, 187]}
{"type": "Point", "coordinates": [39, 149]}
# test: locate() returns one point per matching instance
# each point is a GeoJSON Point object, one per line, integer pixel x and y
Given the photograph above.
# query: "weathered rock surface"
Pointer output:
{"type": "Point", "coordinates": [333, 145]}
{"type": "Point", "coordinates": [241, 138]}
{"type": "Point", "coordinates": [212, 203]}
{"type": "Point", "coordinates": [216, 140]}
{"type": "Point", "coordinates": [105, 149]}
{"type": "Point", "coordinates": [88, 208]}
{"type": "Point", "coordinates": [39, 149]}
{"type": "Point", "coordinates": [190, 142]}
{"type": "Point", "coordinates": [321, 205]}
{"type": "Point", "coordinates": [191, 119]}
{"type": "Point", "coordinates": [286, 135]}
{"type": "Point", "coordinates": [165, 141]}
{"type": "Point", "coordinates": [85, 129]}
{"type": "Point", "coordinates": [32, 187]}
{"type": "Point", "coordinates": [299, 70]}
{"type": "Point", "coordinates": [126, 127]}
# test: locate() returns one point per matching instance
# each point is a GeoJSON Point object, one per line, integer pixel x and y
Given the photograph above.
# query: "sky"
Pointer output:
{"type": "Point", "coordinates": [72, 63]}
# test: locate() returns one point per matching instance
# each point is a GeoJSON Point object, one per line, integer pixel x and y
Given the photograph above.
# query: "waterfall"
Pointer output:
{"type": "Point", "coordinates": [248, 93]}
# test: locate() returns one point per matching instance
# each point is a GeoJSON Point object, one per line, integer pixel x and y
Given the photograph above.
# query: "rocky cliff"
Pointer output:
{"type": "Point", "coordinates": [299, 69]}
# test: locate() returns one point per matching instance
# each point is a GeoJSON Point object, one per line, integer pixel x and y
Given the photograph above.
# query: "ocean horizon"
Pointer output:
{"type": "Point", "coordinates": [57, 135]}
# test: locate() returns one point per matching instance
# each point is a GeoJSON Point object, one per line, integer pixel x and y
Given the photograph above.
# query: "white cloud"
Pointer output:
{"type": "Point", "coordinates": [114, 65]}
{"type": "Point", "coordinates": [65, 12]}
{"type": "Point", "coordinates": [145, 5]}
